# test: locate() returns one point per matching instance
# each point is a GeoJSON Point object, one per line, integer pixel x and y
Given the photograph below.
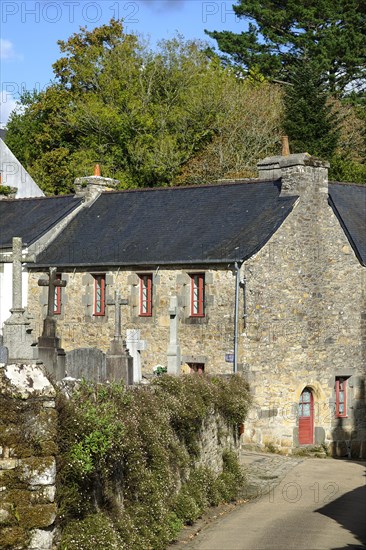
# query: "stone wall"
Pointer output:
{"type": "Point", "coordinates": [305, 302]}
{"type": "Point", "coordinates": [28, 429]}
{"type": "Point", "coordinates": [215, 438]}
{"type": "Point", "coordinates": [202, 340]}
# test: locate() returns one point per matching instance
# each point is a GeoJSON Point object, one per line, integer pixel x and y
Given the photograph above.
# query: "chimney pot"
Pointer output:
{"type": "Point", "coordinates": [285, 146]}
{"type": "Point", "coordinates": [97, 170]}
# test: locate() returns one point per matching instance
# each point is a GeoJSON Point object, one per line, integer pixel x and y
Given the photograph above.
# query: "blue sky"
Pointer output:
{"type": "Point", "coordinates": [30, 30]}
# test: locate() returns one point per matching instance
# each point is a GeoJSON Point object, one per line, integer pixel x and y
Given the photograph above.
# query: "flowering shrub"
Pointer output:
{"type": "Point", "coordinates": [126, 471]}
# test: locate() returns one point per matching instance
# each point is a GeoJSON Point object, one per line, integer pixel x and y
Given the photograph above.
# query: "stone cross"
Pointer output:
{"type": "Point", "coordinates": [135, 345]}
{"type": "Point", "coordinates": [17, 330]}
{"type": "Point", "coordinates": [117, 303]}
{"type": "Point", "coordinates": [174, 359]}
{"type": "Point", "coordinates": [17, 273]}
{"type": "Point", "coordinates": [52, 282]}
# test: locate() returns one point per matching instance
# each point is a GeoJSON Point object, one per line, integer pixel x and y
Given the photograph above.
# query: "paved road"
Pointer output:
{"type": "Point", "coordinates": [319, 505]}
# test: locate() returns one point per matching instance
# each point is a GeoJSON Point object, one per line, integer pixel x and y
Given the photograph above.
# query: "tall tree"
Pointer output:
{"type": "Point", "coordinates": [309, 120]}
{"type": "Point", "coordinates": [330, 32]}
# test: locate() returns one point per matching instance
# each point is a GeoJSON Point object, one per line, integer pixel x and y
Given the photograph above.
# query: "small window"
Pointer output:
{"type": "Point", "coordinates": [146, 295]}
{"type": "Point", "coordinates": [198, 368]}
{"type": "Point", "coordinates": [341, 397]}
{"type": "Point", "coordinates": [198, 295]}
{"type": "Point", "coordinates": [99, 294]}
{"type": "Point", "coordinates": [57, 297]}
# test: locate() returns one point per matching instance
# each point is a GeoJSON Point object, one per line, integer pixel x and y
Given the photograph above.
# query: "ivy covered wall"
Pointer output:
{"type": "Point", "coordinates": [133, 465]}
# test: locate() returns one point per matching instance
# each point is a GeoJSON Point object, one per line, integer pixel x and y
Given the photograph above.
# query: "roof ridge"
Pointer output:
{"type": "Point", "coordinates": [41, 198]}
{"type": "Point", "coordinates": [192, 186]}
{"type": "Point", "coordinates": [348, 183]}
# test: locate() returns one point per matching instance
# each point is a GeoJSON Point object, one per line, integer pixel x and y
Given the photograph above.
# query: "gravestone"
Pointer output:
{"type": "Point", "coordinates": [17, 331]}
{"type": "Point", "coordinates": [4, 355]}
{"type": "Point", "coordinates": [87, 363]}
{"type": "Point", "coordinates": [174, 358]}
{"type": "Point", "coordinates": [135, 345]}
{"type": "Point", "coordinates": [119, 363]}
{"type": "Point", "coordinates": [49, 349]}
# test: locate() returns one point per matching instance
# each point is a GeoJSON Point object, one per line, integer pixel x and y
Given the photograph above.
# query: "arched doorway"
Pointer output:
{"type": "Point", "coordinates": [306, 417]}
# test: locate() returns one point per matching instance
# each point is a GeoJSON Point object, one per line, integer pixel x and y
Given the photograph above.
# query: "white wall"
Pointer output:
{"type": "Point", "coordinates": [6, 291]}
{"type": "Point", "coordinates": [14, 175]}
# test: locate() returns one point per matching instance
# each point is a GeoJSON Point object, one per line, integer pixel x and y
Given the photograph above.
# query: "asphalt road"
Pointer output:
{"type": "Point", "coordinates": [319, 505]}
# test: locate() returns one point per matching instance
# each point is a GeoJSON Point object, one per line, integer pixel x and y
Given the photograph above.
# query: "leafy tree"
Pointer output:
{"type": "Point", "coordinates": [143, 115]}
{"type": "Point", "coordinates": [330, 32]}
{"type": "Point", "coordinates": [309, 120]}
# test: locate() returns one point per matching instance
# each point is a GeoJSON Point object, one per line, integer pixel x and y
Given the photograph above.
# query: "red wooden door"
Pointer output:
{"type": "Point", "coordinates": [306, 417]}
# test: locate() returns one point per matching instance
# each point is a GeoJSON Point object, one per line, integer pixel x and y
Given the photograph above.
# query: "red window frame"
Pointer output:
{"type": "Point", "coordinates": [341, 397]}
{"type": "Point", "coordinates": [99, 295]}
{"type": "Point", "coordinates": [197, 294]}
{"type": "Point", "coordinates": [146, 286]}
{"type": "Point", "coordinates": [57, 297]}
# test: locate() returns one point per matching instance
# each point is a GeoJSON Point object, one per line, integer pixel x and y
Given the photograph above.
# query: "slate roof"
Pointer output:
{"type": "Point", "coordinates": [349, 203]}
{"type": "Point", "coordinates": [31, 218]}
{"type": "Point", "coordinates": [183, 225]}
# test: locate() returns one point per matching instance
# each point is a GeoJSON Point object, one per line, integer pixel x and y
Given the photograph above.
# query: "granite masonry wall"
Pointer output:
{"type": "Point", "coordinates": [202, 340]}
{"type": "Point", "coordinates": [28, 429]}
{"type": "Point", "coordinates": [28, 452]}
{"type": "Point", "coordinates": [306, 325]}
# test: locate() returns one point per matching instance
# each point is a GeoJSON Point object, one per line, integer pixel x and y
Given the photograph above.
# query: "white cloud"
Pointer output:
{"type": "Point", "coordinates": [7, 50]}
{"type": "Point", "coordinates": [7, 105]}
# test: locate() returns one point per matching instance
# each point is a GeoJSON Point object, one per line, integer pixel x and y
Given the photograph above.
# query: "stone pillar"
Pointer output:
{"type": "Point", "coordinates": [17, 332]}
{"type": "Point", "coordinates": [27, 464]}
{"type": "Point", "coordinates": [174, 359]}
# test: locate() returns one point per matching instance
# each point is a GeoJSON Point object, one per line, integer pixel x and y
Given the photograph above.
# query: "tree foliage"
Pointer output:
{"type": "Point", "coordinates": [143, 115]}
{"type": "Point", "coordinates": [309, 120]}
{"type": "Point", "coordinates": [330, 32]}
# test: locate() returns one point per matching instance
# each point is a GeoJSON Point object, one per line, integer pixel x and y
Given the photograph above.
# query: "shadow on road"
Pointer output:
{"type": "Point", "coordinates": [349, 510]}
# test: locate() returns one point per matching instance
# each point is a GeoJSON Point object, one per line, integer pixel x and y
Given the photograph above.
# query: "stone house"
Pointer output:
{"type": "Point", "coordinates": [268, 277]}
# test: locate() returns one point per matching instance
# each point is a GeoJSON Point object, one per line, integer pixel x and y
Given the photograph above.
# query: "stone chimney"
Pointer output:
{"type": "Point", "coordinates": [90, 187]}
{"type": "Point", "coordinates": [300, 174]}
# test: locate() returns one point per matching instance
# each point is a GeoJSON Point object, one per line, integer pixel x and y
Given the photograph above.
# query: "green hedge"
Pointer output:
{"type": "Point", "coordinates": [124, 453]}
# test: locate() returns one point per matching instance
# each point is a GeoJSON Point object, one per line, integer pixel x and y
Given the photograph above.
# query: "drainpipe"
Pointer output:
{"type": "Point", "coordinates": [243, 285]}
{"type": "Point", "coordinates": [236, 315]}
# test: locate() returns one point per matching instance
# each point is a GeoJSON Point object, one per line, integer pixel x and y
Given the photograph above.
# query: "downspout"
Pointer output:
{"type": "Point", "coordinates": [243, 285]}
{"type": "Point", "coordinates": [236, 315]}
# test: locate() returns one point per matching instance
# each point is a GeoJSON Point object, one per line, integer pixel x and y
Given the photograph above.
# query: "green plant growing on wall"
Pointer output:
{"type": "Point", "coordinates": [124, 454]}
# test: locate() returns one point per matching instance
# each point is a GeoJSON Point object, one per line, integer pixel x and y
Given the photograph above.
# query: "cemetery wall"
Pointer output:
{"type": "Point", "coordinates": [28, 430]}
{"type": "Point", "coordinates": [28, 454]}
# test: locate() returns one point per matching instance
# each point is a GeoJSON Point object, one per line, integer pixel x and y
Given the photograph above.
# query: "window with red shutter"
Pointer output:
{"type": "Point", "coordinates": [99, 294]}
{"type": "Point", "coordinates": [197, 294]}
{"type": "Point", "coordinates": [146, 288]}
{"type": "Point", "coordinates": [341, 397]}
